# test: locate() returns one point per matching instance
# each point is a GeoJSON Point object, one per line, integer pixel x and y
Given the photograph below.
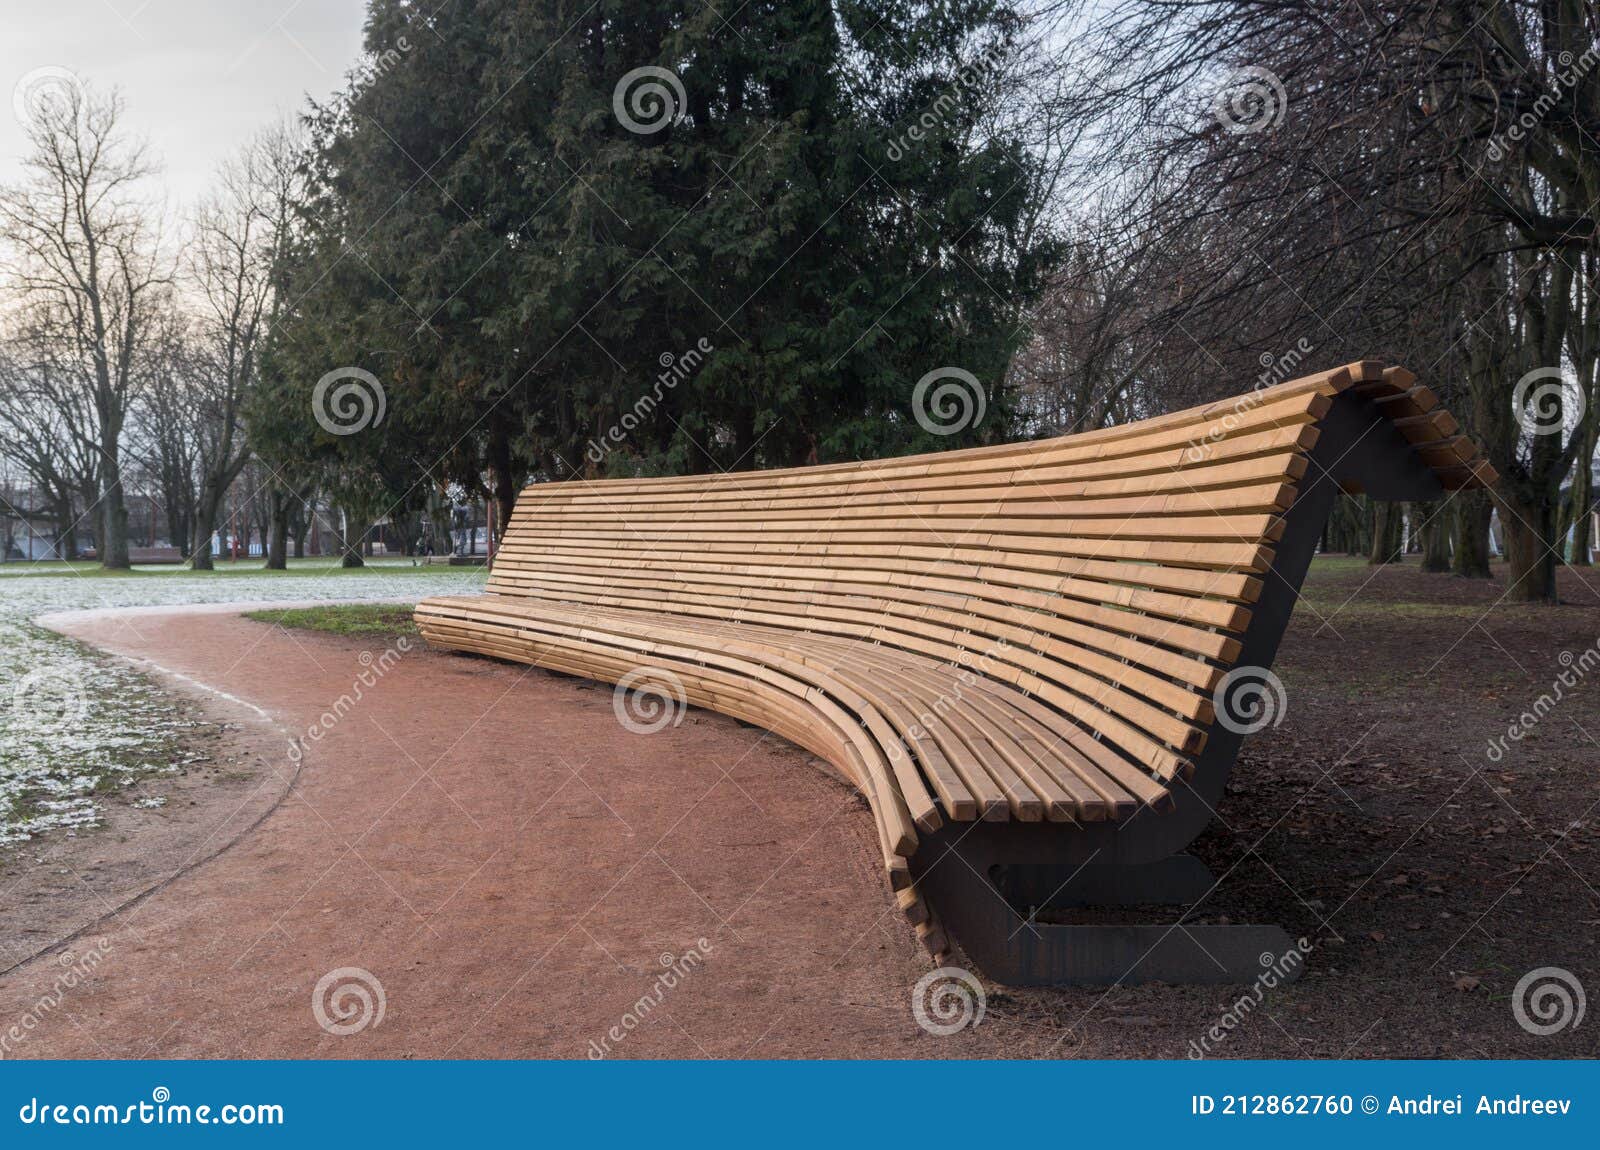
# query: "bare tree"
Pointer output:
{"type": "Point", "coordinates": [167, 429]}
{"type": "Point", "coordinates": [35, 439]}
{"type": "Point", "coordinates": [239, 238]}
{"type": "Point", "coordinates": [48, 426]}
{"type": "Point", "coordinates": [1410, 179]}
{"type": "Point", "coordinates": [89, 266]}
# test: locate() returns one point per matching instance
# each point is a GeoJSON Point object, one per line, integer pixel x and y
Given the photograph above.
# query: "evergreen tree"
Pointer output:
{"type": "Point", "coordinates": [739, 244]}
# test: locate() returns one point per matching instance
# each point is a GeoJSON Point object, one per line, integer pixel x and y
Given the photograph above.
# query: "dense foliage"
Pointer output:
{"type": "Point", "coordinates": [748, 258]}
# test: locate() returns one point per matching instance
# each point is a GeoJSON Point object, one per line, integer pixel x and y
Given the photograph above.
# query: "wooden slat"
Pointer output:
{"type": "Point", "coordinates": [1025, 632]}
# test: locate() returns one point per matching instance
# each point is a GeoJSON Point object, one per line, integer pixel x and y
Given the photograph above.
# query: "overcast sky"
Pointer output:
{"type": "Point", "coordinates": [198, 75]}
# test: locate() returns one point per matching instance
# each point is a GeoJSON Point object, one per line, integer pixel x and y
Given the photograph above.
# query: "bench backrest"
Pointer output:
{"type": "Point", "coordinates": [1109, 574]}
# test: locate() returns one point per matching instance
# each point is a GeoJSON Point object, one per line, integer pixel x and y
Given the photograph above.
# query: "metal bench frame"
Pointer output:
{"type": "Point", "coordinates": [989, 880]}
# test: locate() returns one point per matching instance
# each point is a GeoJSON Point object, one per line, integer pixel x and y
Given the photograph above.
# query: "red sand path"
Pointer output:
{"type": "Point", "coordinates": [511, 864]}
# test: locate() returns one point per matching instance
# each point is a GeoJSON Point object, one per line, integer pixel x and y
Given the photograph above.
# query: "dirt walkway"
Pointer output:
{"type": "Point", "coordinates": [508, 862]}
{"type": "Point", "coordinates": [491, 846]}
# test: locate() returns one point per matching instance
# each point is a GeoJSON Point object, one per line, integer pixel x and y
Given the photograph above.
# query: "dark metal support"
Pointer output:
{"type": "Point", "coordinates": [985, 880]}
{"type": "Point", "coordinates": [958, 869]}
{"type": "Point", "coordinates": [1174, 881]}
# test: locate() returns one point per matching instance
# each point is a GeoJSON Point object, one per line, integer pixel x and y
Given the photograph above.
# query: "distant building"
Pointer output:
{"type": "Point", "coordinates": [25, 532]}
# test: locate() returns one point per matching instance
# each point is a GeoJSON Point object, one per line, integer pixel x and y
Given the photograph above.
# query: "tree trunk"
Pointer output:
{"type": "Point", "coordinates": [1434, 527]}
{"type": "Point", "coordinates": [1473, 512]}
{"type": "Point", "coordinates": [1470, 545]}
{"type": "Point", "coordinates": [66, 530]}
{"type": "Point", "coordinates": [1582, 534]}
{"type": "Point", "coordinates": [1352, 532]}
{"type": "Point", "coordinates": [1583, 502]}
{"type": "Point", "coordinates": [177, 526]}
{"type": "Point", "coordinates": [1387, 529]}
{"type": "Point", "coordinates": [278, 530]}
{"type": "Point", "coordinates": [205, 523]}
{"type": "Point", "coordinates": [1530, 559]}
{"type": "Point", "coordinates": [295, 515]}
{"type": "Point", "coordinates": [114, 555]}
{"type": "Point", "coordinates": [349, 553]}
{"type": "Point", "coordinates": [502, 482]}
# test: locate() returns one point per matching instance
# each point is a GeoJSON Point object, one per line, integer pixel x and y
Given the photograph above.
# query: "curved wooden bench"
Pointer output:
{"type": "Point", "coordinates": [1015, 652]}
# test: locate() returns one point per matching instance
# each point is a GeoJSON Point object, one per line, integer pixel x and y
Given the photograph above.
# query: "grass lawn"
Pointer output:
{"type": "Point", "coordinates": [385, 619]}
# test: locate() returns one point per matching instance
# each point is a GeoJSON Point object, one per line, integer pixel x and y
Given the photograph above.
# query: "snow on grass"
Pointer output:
{"type": "Point", "coordinates": [76, 726]}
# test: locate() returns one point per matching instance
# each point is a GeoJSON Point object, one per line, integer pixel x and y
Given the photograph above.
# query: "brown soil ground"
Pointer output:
{"type": "Point", "coordinates": [512, 865]}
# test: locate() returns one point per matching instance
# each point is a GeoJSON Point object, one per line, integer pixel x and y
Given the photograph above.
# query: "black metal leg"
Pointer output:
{"type": "Point", "coordinates": [1178, 880]}
{"type": "Point", "coordinates": [958, 871]}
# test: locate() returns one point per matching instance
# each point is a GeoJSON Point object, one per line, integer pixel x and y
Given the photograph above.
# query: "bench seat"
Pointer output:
{"type": "Point", "coordinates": [981, 747]}
{"type": "Point", "coordinates": [1030, 634]}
